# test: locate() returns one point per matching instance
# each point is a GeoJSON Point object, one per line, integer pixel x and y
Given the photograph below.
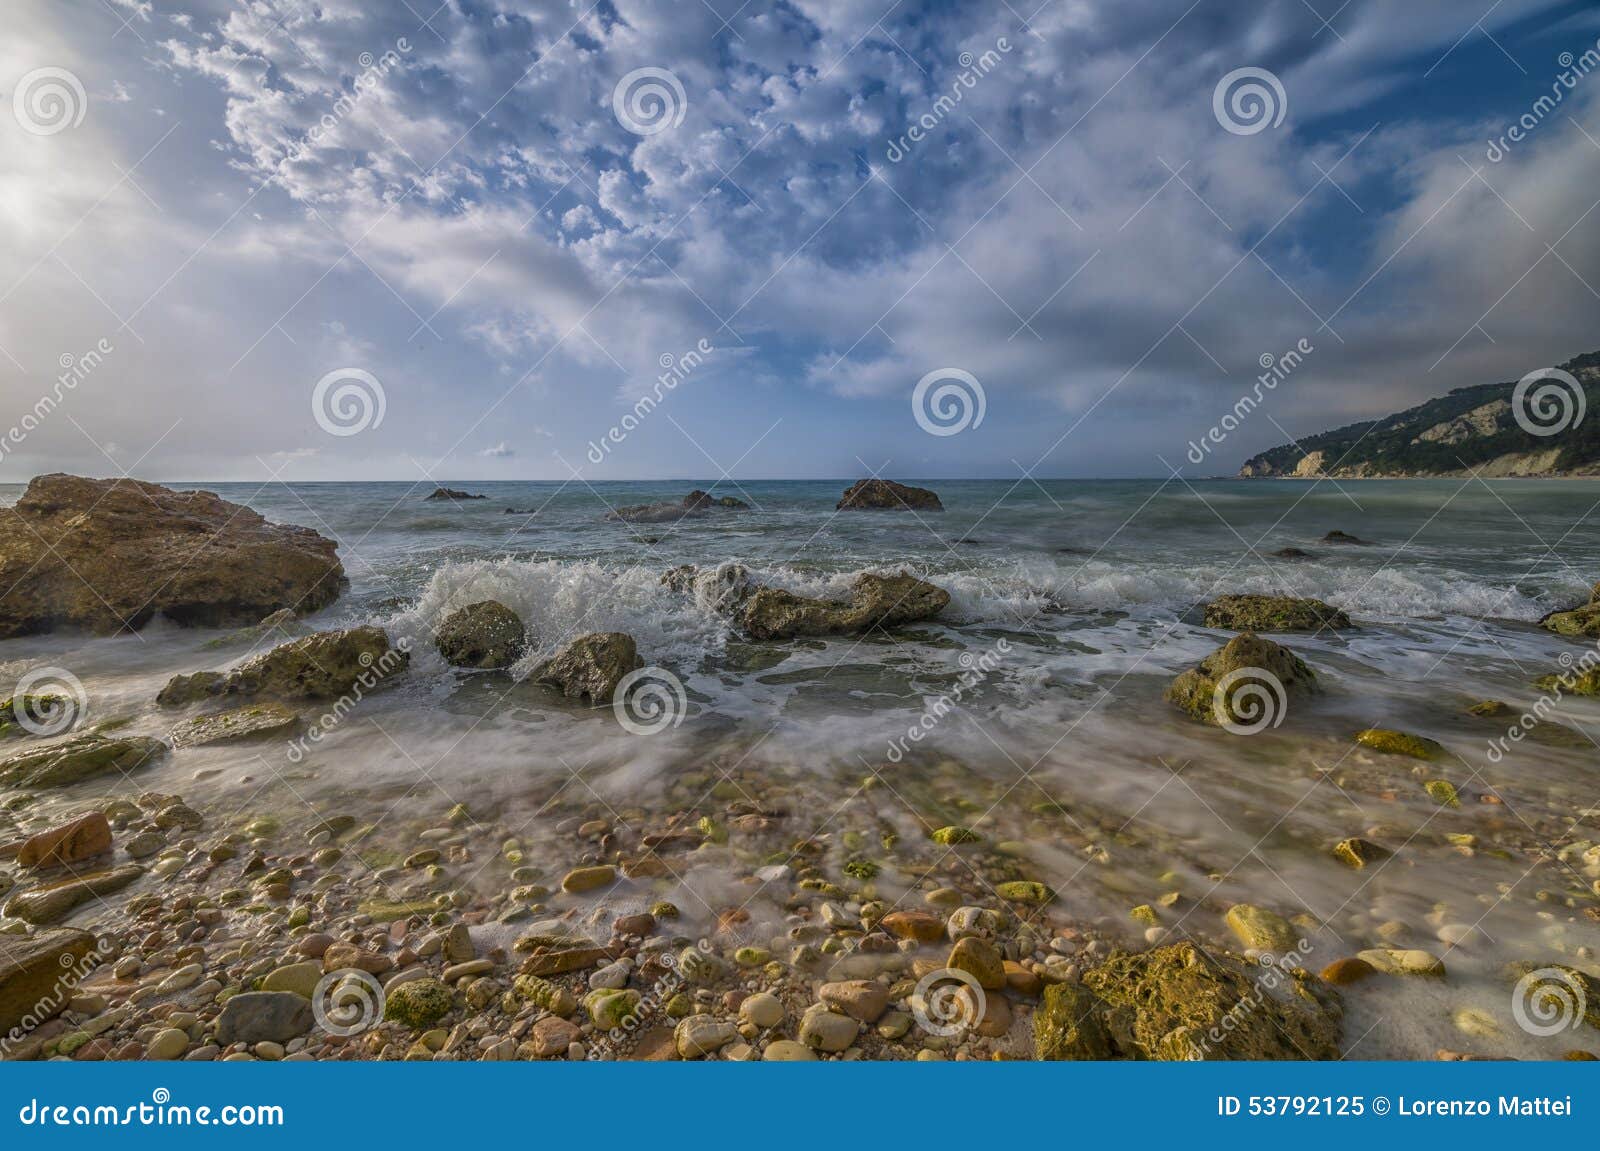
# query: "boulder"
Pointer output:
{"type": "Point", "coordinates": [264, 1017]}
{"type": "Point", "coordinates": [591, 666]}
{"type": "Point", "coordinates": [1274, 613]}
{"type": "Point", "coordinates": [49, 904]}
{"type": "Point", "coordinates": [876, 601]}
{"type": "Point", "coordinates": [236, 725]}
{"type": "Point", "coordinates": [1249, 697]}
{"type": "Point", "coordinates": [452, 494]}
{"type": "Point", "coordinates": [110, 555]}
{"type": "Point", "coordinates": [486, 635]}
{"type": "Point", "coordinates": [1180, 1002]}
{"type": "Point", "coordinates": [722, 589]}
{"type": "Point", "coordinates": [31, 970]}
{"type": "Point", "coordinates": [886, 494]}
{"type": "Point", "coordinates": [83, 838]}
{"type": "Point", "coordinates": [82, 757]}
{"type": "Point", "coordinates": [323, 666]}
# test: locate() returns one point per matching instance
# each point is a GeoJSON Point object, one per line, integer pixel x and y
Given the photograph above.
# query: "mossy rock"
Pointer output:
{"type": "Point", "coordinates": [1070, 1024]}
{"type": "Point", "coordinates": [1359, 852]}
{"type": "Point", "coordinates": [1583, 620]}
{"type": "Point", "coordinates": [486, 635]}
{"type": "Point", "coordinates": [1274, 613]}
{"type": "Point", "coordinates": [1025, 891]}
{"type": "Point", "coordinates": [419, 1004]}
{"type": "Point", "coordinates": [1179, 1002]}
{"type": "Point", "coordinates": [1586, 682]}
{"type": "Point", "coordinates": [951, 836]}
{"type": "Point", "coordinates": [1442, 792]}
{"type": "Point", "coordinates": [1400, 743]}
{"type": "Point", "coordinates": [1245, 683]}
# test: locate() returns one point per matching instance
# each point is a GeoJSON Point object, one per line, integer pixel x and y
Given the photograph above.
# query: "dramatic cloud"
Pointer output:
{"type": "Point", "coordinates": [518, 217]}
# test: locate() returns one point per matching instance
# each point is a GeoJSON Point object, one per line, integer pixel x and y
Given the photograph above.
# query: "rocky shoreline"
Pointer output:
{"type": "Point", "coordinates": [554, 925]}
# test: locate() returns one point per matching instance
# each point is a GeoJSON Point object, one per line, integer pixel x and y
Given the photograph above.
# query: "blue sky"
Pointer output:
{"type": "Point", "coordinates": [458, 201]}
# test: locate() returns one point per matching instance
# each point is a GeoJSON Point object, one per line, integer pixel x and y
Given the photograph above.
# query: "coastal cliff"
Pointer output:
{"type": "Point", "coordinates": [1486, 429]}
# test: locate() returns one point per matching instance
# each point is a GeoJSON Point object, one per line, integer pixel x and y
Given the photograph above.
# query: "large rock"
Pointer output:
{"type": "Point", "coordinates": [1274, 613]}
{"type": "Point", "coordinates": [1179, 1002]}
{"type": "Point", "coordinates": [486, 635]}
{"type": "Point", "coordinates": [1249, 666]}
{"type": "Point", "coordinates": [876, 601]}
{"type": "Point", "coordinates": [57, 901]}
{"type": "Point", "coordinates": [1583, 620]}
{"type": "Point", "coordinates": [264, 1017]}
{"type": "Point", "coordinates": [109, 555]}
{"type": "Point", "coordinates": [83, 838]}
{"type": "Point", "coordinates": [722, 589]}
{"type": "Point", "coordinates": [591, 666]}
{"type": "Point", "coordinates": [32, 967]}
{"type": "Point", "coordinates": [326, 665]}
{"type": "Point", "coordinates": [80, 758]}
{"type": "Point", "coordinates": [886, 494]}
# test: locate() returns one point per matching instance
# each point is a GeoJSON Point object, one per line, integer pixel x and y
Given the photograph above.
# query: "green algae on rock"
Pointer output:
{"type": "Point", "coordinates": [237, 725]}
{"type": "Point", "coordinates": [1179, 1002]}
{"type": "Point", "coordinates": [1399, 743]}
{"type": "Point", "coordinates": [1246, 683]}
{"type": "Point", "coordinates": [950, 836]}
{"type": "Point", "coordinates": [1025, 891]}
{"type": "Point", "coordinates": [323, 666]}
{"type": "Point", "coordinates": [1442, 792]}
{"type": "Point", "coordinates": [419, 1004]}
{"type": "Point", "coordinates": [1274, 613]}
{"type": "Point", "coordinates": [876, 601]}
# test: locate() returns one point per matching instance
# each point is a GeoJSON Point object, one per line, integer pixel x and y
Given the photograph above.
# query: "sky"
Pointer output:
{"type": "Point", "coordinates": [421, 240]}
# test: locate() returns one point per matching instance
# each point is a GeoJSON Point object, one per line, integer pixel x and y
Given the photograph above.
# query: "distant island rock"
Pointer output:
{"type": "Point", "coordinates": [453, 494]}
{"type": "Point", "coordinates": [698, 500]}
{"type": "Point", "coordinates": [1470, 430]}
{"type": "Point", "coordinates": [110, 555]}
{"type": "Point", "coordinates": [877, 494]}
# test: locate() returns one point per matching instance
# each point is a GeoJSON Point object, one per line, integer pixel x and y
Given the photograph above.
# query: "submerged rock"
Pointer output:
{"type": "Point", "coordinates": [591, 666]}
{"type": "Point", "coordinates": [657, 513]}
{"type": "Point", "coordinates": [880, 494]}
{"type": "Point", "coordinates": [1179, 1002]}
{"type": "Point", "coordinates": [1360, 852]}
{"type": "Point", "coordinates": [1399, 743]}
{"type": "Point", "coordinates": [80, 758]}
{"type": "Point", "coordinates": [486, 635]}
{"type": "Point", "coordinates": [1251, 671]}
{"type": "Point", "coordinates": [323, 666]}
{"type": "Point", "coordinates": [236, 725]}
{"type": "Point", "coordinates": [876, 601]}
{"type": "Point", "coordinates": [56, 901]}
{"type": "Point", "coordinates": [1274, 613]}
{"type": "Point", "coordinates": [1338, 537]}
{"type": "Point", "coordinates": [110, 555]}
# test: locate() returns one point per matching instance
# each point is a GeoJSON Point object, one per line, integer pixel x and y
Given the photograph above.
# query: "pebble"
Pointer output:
{"type": "Point", "coordinates": [167, 1044]}
{"type": "Point", "coordinates": [701, 1035]}
{"type": "Point", "coordinates": [763, 1010]}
